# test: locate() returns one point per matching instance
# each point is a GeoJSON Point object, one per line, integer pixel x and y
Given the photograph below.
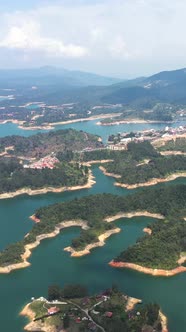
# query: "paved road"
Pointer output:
{"type": "Point", "coordinates": [87, 314]}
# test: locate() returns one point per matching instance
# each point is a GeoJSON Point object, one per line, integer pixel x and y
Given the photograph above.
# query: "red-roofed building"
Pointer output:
{"type": "Point", "coordinates": [109, 314]}
{"type": "Point", "coordinates": [53, 310]}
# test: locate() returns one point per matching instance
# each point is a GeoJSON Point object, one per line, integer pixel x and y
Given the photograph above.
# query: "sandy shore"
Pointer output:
{"type": "Point", "coordinates": [89, 247]}
{"type": "Point", "coordinates": [46, 190]}
{"type": "Point", "coordinates": [164, 321]}
{"type": "Point", "coordinates": [116, 176]}
{"type": "Point", "coordinates": [33, 218]}
{"type": "Point", "coordinates": [182, 259]}
{"type": "Point", "coordinates": [92, 162]}
{"type": "Point", "coordinates": [131, 303]}
{"type": "Point", "coordinates": [27, 312]}
{"type": "Point", "coordinates": [147, 230]}
{"type": "Point", "coordinates": [128, 121]}
{"type": "Point", "coordinates": [18, 122]}
{"type": "Point", "coordinates": [49, 126]}
{"type": "Point", "coordinates": [174, 153]}
{"type": "Point", "coordinates": [93, 117]}
{"type": "Point", "coordinates": [35, 326]}
{"type": "Point", "coordinates": [39, 238]}
{"type": "Point", "coordinates": [45, 127]}
{"type": "Point", "coordinates": [146, 270]}
{"type": "Point", "coordinates": [134, 214]}
{"type": "Point", "coordinates": [152, 182]}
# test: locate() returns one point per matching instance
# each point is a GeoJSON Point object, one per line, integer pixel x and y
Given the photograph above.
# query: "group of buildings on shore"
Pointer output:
{"type": "Point", "coordinates": [120, 140]}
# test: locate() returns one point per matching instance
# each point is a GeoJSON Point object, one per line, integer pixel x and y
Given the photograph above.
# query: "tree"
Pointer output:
{"type": "Point", "coordinates": [54, 292]}
{"type": "Point", "coordinates": [66, 321]}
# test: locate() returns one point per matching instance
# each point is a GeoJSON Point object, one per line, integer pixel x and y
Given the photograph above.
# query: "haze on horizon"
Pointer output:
{"type": "Point", "coordinates": [121, 38]}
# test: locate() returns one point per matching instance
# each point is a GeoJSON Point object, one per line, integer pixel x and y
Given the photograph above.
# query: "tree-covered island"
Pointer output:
{"type": "Point", "coordinates": [44, 162]}
{"type": "Point", "coordinates": [72, 309]}
{"type": "Point", "coordinates": [142, 165]}
{"type": "Point", "coordinates": [92, 214]}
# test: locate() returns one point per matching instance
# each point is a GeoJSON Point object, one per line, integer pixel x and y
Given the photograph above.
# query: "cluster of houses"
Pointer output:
{"type": "Point", "coordinates": [46, 162]}
{"type": "Point", "coordinates": [78, 317]}
{"type": "Point", "coordinates": [120, 140]}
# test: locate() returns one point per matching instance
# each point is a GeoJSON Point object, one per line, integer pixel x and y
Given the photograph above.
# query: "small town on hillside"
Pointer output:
{"type": "Point", "coordinates": [119, 141]}
{"type": "Point", "coordinates": [49, 161]}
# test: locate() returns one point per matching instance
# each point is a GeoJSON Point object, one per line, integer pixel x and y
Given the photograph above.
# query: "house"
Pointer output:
{"type": "Point", "coordinates": [109, 314]}
{"type": "Point", "coordinates": [92, 326]}
{"type": "Point", "coordinates": [53, 310]}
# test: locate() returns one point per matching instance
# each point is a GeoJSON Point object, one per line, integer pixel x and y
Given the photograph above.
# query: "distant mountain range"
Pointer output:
{"type": "Point", "coordinates": [56, 85]}
{"type": "Point", "coordinates": [166, 86]}
{"type": "Point", "coordinates": [53, 76]}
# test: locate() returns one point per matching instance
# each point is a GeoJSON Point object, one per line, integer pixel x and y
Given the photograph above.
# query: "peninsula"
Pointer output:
{"type": "Point", "coordinates": [141, 165]}
{"type": "Point", "coordinates": [45, 163]}
{"type": "Point", "coordinates": [72, 308]}
{"type": "Point", "coordinates": [161, 203]}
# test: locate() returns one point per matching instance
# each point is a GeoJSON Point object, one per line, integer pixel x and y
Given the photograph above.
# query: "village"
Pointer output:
{"type": "Point", "coordinates": [119, 141]}
{"type": "Point", "coordinates": [89, 313]}
{"type": "Point", "coordinates": [49, 161]}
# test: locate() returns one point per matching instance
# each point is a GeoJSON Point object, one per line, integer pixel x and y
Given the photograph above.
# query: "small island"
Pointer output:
{"type": "Point", "coordinates": [71, 309]}
{"type": "Point", "coordinates": [166, 203]}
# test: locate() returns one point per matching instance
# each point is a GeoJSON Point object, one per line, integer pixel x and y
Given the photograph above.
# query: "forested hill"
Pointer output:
{"type": "Point", "coordinates": [42, 144]}
{"type": "Point", "coordinates": [164, 87]}
{"type": "Point", "coordinates": [13, 176]}
{"type": "Point", "coordinates": [133, 170]}
{"type": "Point", "coordinates": [169, 201]}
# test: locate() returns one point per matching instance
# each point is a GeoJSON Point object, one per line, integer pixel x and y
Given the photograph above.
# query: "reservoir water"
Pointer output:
{"type": "Point", "coordinates": [51, 265]}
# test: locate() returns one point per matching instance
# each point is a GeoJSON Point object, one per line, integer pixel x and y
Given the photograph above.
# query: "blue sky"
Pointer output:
{"type": "Point", "coordinates": [124, 38]}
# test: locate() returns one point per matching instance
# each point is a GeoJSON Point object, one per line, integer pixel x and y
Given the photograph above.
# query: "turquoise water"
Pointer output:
{"type": "Point", "coordinates": [3, 98]}
{"type": "Point", "coordinates": [89, 126]}
{"type": "Point", "coordinates": [50, 264]}
{"type": "Point", "coordinates": [33, 106]}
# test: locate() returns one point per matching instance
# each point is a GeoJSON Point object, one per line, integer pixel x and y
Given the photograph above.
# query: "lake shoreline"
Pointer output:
{"type": "Point", "coordinates": [103, 169]}
{"type": "Point", "coordinates": [134, 214]}
{"type": "Point", "coordinates": [33, 326]}
{"type": "Point", "coordinates": [128, 121]}
{"type": "Point", "coordinates": [151, 182]}
{"type": "Point", "coordinates": [51, 125]}
{"type": "Point", "coordinates": [73, 223]}
{"type": "Point", "coordinates": [146, 270]}
{"type": "Point", "coordinates": [31, 192]}
{"type": "Point", "coordinates": [89, 247]}
{"type": "Point", "coordinates": [29, 247]}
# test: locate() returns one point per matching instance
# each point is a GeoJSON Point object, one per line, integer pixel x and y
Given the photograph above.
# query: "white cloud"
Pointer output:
{"type": "Point", "coordinates": [132, 36]}
{"type": "Point", "coordinates": [27, 37]}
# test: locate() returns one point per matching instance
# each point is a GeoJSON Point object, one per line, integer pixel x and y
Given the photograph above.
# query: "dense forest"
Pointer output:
{"type": "Point", "coordinates": [42, 144]}
{"type": "Point", "coordinates": [161, 249]}
{"type": "Point", "coordinates": [169, 201]}
{"type": "Point", "coordinates": [14, 177]}
{"type": "Point", "coordinates": [132, 170]}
